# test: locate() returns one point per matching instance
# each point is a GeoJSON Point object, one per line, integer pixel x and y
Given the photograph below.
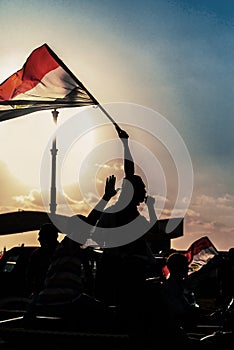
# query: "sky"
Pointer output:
{"type": "Point", "coordinates": [164, 70]}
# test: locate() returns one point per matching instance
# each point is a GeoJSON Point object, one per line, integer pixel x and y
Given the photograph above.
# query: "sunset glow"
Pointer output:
{"type": "Point", "coordinates": [162, 70]}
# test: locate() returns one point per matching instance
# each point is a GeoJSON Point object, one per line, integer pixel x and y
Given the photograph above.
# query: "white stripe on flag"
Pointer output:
{"type": "Point", "coordinates": [55, 84]}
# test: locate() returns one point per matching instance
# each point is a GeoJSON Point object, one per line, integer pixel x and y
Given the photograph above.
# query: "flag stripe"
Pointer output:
{"type": "Point", "coordinates": [44, 82]}
{"type": "Point", "coordinates": [201, 244]}
{"type": "Point", "coordinates": [200, 252]}
{"type": "Point", "coordinates": [49, 88]}
{"type": "Point", "coordinates": [205, 254]}
{"type": "Point", "coordinates": [39, 63]}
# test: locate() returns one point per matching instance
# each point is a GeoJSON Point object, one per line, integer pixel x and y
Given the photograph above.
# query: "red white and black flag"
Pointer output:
{"type": "Point", "coordinates": [44, 82]}
{"type": "Point", "coordinates": [200, 252]}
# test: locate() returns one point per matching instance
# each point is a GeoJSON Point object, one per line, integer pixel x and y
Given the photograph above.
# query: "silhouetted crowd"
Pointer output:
{"type": "Point", "coordinates": [104, 274]}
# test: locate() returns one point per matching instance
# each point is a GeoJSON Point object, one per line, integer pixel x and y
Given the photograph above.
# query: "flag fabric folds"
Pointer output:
{"type": "Point", "coordinates": [200, 253]}
{"type": "Point", "coordinates": [44, 82]}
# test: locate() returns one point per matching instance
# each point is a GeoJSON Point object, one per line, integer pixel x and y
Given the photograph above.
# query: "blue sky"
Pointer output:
{"type": "Point", "coordinates": [174, 57]}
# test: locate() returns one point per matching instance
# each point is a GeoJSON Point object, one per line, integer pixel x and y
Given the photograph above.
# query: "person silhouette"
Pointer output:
{"type": "Point", "coordinates": [67, 290]}
{"type": "Point", "coordinates": [40, 258]}
{"type": "Point", "coordinates": [177, 309]}
{"type": "Point", "coordinates": [127, 257]}
{"type": "Point", "coordinates": [74, 248]}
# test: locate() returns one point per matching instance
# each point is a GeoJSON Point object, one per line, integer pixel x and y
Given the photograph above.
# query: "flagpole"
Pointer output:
{"type": "Point", "coordinates": [79, 83]}
{"type": "Point", "coordinates": [54, 151]}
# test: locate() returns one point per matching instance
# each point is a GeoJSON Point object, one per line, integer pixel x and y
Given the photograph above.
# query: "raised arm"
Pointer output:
{"type": "Point", "coordinates": [128, 160]}
{"type": "Point", "coordinates": [109, 192]}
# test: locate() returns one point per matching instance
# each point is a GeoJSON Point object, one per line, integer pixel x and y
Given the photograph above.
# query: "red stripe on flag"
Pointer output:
{"type": "Point", "coordinates": [10, 85]}
{"type": "Point", "coordinates": [197, 246]}
{"type": "Point", "coordinates": [44, 82]}
{"type": "Point", "coordinates": [38, 64]}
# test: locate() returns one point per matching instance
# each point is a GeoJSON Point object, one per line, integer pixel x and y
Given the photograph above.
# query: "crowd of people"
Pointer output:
{"type": "Point", "coordinates": [124, 291]}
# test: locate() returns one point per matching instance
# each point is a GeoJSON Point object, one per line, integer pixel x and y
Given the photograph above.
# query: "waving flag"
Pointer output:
{"type": "Point", "coordinates": [44, 82]}
{"type": "Point", "coordinates": [200, 252]}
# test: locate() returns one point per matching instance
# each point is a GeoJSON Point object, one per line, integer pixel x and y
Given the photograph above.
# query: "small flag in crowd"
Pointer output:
{"type": "Point", "coordinates": [200, 252]}
{"type": "Point", "coordinates": [44, 82]}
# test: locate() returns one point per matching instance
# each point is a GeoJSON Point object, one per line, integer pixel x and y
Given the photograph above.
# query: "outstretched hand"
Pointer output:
{"type": "Point", "coordinates": [110, 190]}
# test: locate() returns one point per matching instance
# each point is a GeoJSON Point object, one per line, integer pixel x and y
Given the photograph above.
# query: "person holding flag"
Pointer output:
{"type": "Point", "coordinates": [127, 258]}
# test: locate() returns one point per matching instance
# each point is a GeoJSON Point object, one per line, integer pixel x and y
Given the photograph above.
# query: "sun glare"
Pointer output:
{"type": "Point", "coordinates": [26, 140]}
{"type": "Point", "coordinates": [23, 141]}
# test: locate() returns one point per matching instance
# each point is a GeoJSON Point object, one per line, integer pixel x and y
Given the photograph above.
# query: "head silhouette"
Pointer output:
{"type": "Point", "coordinates": [133, 190]}
{"type": "Point", "coordinates": [48, 235]}
{"type": "Point", "coordinates": [177, 264]}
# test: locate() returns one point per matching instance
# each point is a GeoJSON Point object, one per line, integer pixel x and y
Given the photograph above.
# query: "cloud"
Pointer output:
{"type": "Point", "coordinates": [10, 187]}
{"type": "Point", "coordinates": [32, 200]}
{"type": "Point", "coordinates": [210, 216]}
